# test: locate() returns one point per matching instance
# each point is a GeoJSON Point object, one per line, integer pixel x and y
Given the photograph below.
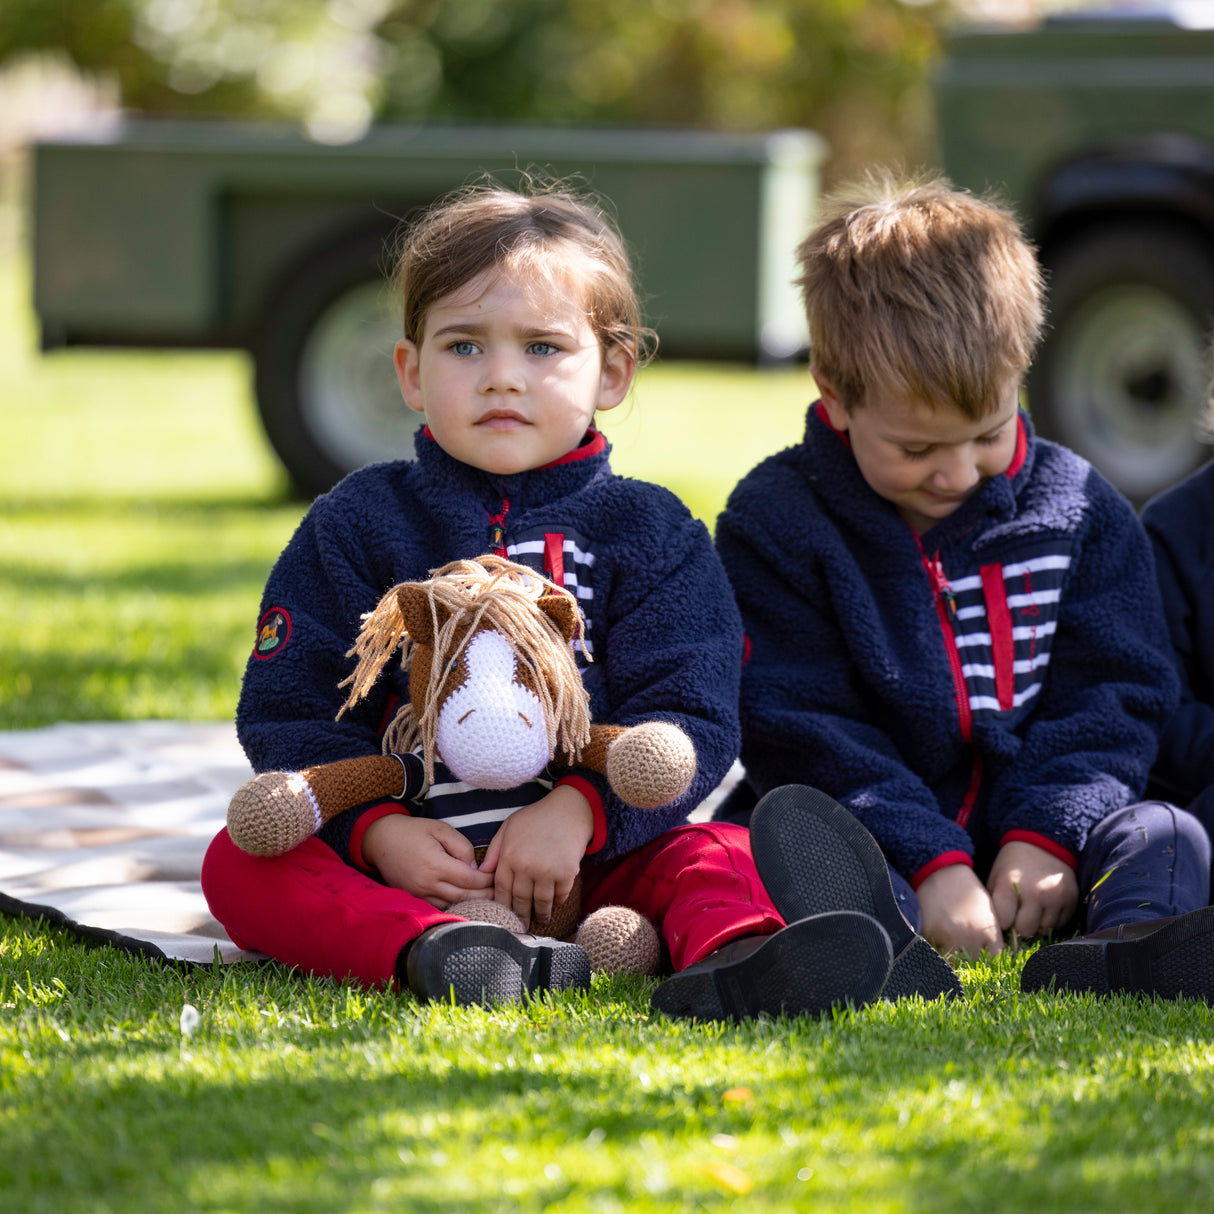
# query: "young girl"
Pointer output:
{"type": "Point", "coordinates": [520, 323]}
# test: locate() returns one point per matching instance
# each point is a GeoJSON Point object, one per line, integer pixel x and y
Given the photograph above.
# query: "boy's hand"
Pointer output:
{"type": "Point", "coordinates": [427, 858]}
{"type": "Point", "coordinates": [957, 913]}
{"type": "Point", "coordinates": [538, 850]}
{"type": "Point", "coordinates": [1031, 890]}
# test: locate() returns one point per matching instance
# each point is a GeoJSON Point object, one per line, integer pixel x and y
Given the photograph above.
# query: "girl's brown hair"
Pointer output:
{"type": "Point", "coordinates": [545, 232]}
{"type": "Point", "coordinates": [922, 289]}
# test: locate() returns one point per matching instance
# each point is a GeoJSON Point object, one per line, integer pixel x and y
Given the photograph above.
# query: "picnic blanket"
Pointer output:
{"type": "Point", "coordinates": [103, 827]}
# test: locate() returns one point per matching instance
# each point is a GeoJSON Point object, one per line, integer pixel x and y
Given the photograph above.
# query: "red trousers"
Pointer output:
{"type": "Point", "coordinates": [697, 884]}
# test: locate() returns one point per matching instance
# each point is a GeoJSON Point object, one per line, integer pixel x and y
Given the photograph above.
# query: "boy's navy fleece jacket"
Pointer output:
{"type": "Point", "coordinates": [1002, 677]}
{"type": "Point", "coordinates": [661, 624]}
{"type": "Point", "coordinates": [1180, 524]}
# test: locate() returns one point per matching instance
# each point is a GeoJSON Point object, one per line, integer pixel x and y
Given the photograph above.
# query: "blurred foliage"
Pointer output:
{"type": "Point", "coordinates": [855, 70]}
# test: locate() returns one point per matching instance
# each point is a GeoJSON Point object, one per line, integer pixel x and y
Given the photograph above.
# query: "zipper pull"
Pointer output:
{"type": "Point", "coordinates": [941, 583]}
{"type": "Point", "coordinates": [497, 528]}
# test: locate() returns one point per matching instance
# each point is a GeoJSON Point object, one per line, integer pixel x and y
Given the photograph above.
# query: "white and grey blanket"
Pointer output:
{"type": "Point", "coordinates": [103, 827]}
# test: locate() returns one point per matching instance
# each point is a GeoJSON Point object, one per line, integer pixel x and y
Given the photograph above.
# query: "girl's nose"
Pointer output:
{"type": "Point", "coordinates": [502, 373]}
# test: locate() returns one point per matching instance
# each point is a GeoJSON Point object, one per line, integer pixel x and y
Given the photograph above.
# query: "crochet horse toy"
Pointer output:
{"type": "Point", "coordinates": [495, 693]}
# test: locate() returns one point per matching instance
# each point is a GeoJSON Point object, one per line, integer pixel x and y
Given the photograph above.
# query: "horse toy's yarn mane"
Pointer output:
{"type": "Point", "coordinates": [459, 600]}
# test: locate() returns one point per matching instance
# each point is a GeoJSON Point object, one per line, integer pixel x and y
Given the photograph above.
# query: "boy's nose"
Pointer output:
{"type": "Point", "coordinates": [956, 471]}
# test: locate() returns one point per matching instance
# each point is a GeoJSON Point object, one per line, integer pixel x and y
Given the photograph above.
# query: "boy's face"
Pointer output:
{"type": "Point", "coordinates": [925, 460]}
{"type": "Point", "coordinates": [509, 379]}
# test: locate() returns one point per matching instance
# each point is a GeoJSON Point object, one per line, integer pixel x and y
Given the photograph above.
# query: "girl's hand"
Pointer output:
{"type": "Point", "coordinates": [537, 852]}
{"type": "Point", "coordinates": [957, 913]}
{"type": "Point", "coordinates": [427, 858]}
{"type": "Point", "coordinates": [1031, 890]}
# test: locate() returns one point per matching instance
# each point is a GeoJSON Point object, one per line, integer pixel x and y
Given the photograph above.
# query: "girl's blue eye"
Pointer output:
{"type": "Point", "coordinates": [542, 348]}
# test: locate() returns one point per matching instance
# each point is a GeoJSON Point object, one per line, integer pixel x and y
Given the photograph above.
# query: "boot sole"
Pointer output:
{"type": "Point", "coordinates": [806, 969]}
{"type": "Point", "coordinates": [480, 963]}
{"type": "Point", "coordinates": [1177, 960]}
{"type": "Point", "coordinates": [813, 856]}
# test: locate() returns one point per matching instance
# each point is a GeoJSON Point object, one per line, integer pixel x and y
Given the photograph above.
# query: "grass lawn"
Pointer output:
{"type": "Point", "coordinates": [139, 513]}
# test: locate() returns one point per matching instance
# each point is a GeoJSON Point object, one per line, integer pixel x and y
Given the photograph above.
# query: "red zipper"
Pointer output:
{"type": "Point", "coordinates": [942, 595]}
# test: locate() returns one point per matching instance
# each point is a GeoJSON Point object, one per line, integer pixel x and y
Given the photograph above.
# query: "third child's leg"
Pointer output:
{"type": "Point", "coordinates": [1147, 861]}
{"type": "Point", "coordinates": [1149, 928]}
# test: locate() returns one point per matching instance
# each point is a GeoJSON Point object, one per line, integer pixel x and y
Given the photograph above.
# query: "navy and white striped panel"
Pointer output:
{"type": "Point", "coordinates": [1033, 588]}
{"type": "Point", "coordinates": [579, 564]}
{"type": "Point", "coordinates": [476, 812]}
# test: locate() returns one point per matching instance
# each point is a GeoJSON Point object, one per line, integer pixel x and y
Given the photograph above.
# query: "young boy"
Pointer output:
{"type": "Point", "coordinates": [953, 626]}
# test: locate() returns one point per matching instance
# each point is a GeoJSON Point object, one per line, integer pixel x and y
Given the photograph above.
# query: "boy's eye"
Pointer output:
{"type": "Point", "coordinates": [542, 348]}
{"type": "Point", "coordinates": [916, 452]}
{"type": "Point", "coordinates": [463, 347]}
{"type": "Point", "coordinates": [989, 440]}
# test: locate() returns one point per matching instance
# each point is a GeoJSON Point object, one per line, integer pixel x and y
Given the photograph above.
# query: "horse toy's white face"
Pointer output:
{"type": "Point", "coordinates": [492, 731]}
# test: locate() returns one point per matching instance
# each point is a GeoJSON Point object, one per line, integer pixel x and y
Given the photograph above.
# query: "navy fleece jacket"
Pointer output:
{"type": "Point", "coordinates": [661, 624]}
{"type": "Point", "coordinates": [1003, 676]}
{"type": "Point", "coordinates": [1180, 524]}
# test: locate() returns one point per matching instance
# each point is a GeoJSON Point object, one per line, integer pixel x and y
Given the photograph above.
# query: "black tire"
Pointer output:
{"type": "Point", "coordinates": [1122, 376]}
{"type": "Point", "coordinates": [326, 389]}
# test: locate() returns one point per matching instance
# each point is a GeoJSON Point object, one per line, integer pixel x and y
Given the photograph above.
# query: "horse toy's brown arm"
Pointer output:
{"type": "Point", "coordinates": [647, 765]}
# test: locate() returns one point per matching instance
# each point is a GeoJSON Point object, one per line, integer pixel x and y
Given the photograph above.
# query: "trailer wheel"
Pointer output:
{"type": "Point", "coordinates": [326, 388]}
{"type": "Point", "coordinates": [1122, 376]}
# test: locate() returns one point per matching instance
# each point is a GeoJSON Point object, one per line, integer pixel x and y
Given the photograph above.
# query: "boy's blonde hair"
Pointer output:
{"type": "Point", "coordinates": [920, 289]}
{"type": "Point", "coordinates": [545, 233]}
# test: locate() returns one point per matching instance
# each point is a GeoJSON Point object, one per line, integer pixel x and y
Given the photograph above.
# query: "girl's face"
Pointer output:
{"type": "Point", "coordinates": [509, 378]}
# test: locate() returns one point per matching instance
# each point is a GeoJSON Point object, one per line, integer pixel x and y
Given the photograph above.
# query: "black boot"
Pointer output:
{"type": "Point", "coordinates": [1165, 957]}
{"type": "Point", "coordinates": [480, 963]}
{"type": "Point", "coordinates": [813, 856]}
{"type": "Point", "coordinates": [806, 968]}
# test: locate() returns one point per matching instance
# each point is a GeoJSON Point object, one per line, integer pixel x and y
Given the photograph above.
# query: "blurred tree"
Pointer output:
{"type": "Point", "coordinates": [855, 70]}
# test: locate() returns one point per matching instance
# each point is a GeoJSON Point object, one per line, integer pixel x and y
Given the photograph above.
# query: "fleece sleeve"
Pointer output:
{"type": "Point", "coordinates": [1110, 687]}
{"type": "Point", "coordinates": [1181, 529]}
{"type": "Point", "coordinates": [673, 652]}
{"type": "Point", "coordinates": [805, 716]}
{"type": "Point", "coordinates": [286, 717]}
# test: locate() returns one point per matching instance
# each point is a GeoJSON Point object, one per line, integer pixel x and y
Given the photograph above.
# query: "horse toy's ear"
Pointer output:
{"type": "Point", "coordinates": [562, 611]}
{"type": "Point", "coordinates": [414, 606]}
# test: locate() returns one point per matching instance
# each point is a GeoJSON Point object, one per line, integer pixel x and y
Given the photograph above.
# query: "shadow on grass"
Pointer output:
{"type": "Point", "coordinates": [401, 1109]}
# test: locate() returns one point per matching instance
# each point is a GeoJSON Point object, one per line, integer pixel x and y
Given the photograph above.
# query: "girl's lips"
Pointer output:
{"type": "Point", "coordinates": [501, 419]}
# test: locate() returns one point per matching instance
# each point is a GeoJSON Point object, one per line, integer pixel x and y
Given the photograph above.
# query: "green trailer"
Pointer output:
{"type": "Point", "coordinates": [1098, 127]}
{"type": "Point", "coordinates": [254, 237]}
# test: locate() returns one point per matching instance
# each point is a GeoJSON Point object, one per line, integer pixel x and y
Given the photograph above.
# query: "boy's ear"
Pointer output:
{"type": "Point", "coordinates": [619, 366]}
{"type": "Point", "coordinates": [408, 372]}
{"type": "Point", "coordinates": [831, 402]}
